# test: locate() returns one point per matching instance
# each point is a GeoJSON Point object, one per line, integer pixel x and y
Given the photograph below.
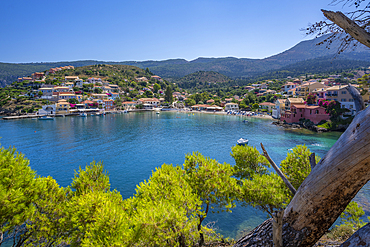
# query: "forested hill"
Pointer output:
{"type": "Point", "coordinates": [200, 78]}
{"type": "Point", "coordinates": [229, 66]}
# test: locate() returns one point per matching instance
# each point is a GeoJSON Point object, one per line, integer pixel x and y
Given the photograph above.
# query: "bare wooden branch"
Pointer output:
{"type": "Point", "coordinates": [312, 161]}
{"type": "Point", "coordinates": [277, 228]}
{"type": "Point", "coordinates": [357, 98]}
{"type": "Point", "coordinates": [278, 171]}
{"type": "Point", "coordinates": [349, 26]}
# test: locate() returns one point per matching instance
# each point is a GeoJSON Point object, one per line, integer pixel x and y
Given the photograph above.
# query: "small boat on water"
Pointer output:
{"type": "Point", "coordinates": [242, 141]}
{"type": "Point", "coordinates": [83, 114]}
{"type": "Point", "coordinates": [46, 118]}
{"type": "Point", "coordinates": [245, 121]}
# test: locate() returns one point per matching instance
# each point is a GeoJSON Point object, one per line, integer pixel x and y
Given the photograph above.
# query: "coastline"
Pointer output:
{"type": "Point", "coordinates": [267, 117]}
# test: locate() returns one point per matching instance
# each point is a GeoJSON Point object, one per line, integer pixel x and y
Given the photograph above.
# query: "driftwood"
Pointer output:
{"type": "Point", "coordinates": [359, 238]}
{"type": "Point", "coordinates": [349, 26]}
{"type": "Point", "coordinates": [326, 192]}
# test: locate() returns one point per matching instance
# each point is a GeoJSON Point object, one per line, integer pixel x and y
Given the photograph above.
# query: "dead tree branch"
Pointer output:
{"type": "Point", "coordinates": [349, 26]}
{"type": "Point", "coordinates": [278, 171]}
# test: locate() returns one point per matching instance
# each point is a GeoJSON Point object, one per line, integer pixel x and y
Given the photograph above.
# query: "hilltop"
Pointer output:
{"type": "Point", "coordinates": [116, 74]}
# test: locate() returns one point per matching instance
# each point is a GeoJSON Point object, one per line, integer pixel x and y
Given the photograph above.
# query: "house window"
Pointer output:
{"type": "Point", "coordinates": [343, 100]}
{"type": "Point", "coordinates": [350, 100]}
{"type": "Point", "coordinates": [317, 112]}
{"type": "Point", "coordinates": [344, 92]}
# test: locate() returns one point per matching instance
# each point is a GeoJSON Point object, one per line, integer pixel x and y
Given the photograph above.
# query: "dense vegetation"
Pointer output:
{"type": "Point", "coordinates": [166, 210]}
{"type": "Point", "coordinates": [200, 79]}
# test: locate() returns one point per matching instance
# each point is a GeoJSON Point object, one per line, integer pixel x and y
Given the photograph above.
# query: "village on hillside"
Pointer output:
{"type": "Point", "coordinates": [296, 99]}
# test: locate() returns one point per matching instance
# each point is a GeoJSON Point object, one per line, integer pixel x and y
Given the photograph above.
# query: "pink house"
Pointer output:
{"type": "Point", "coordinates": [313, 113]}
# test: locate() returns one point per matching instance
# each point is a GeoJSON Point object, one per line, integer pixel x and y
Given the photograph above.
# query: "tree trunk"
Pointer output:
{"type": "Point", "coordinates": [277, 228]}
{"type": "Point", "coordinates": [326, 192]}
{"type": "Point", "coordinates": [359, 238]}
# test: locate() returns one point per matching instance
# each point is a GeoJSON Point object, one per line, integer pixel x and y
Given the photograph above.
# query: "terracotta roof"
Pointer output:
{"type": "Point", "coordinates": [295, 100]}
{"type": "Point", "coordinates": [306, 106]}
{"type": "Point", "coordinates": [267, 103]}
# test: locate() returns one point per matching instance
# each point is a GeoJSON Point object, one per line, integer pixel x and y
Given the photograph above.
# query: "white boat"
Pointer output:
{"type": "Point", "coordinates": [242, 141]}
{"type": "Point", "coordinates": [46, 118]}
{"type": "Point", "coordinates": [83, 114]}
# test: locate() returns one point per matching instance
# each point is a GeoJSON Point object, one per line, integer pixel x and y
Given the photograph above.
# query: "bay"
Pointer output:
{"type": "Point", "coordinates": [132, 145]}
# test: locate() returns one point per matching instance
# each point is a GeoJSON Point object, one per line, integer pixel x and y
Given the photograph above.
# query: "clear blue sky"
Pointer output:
{"type": "Point", "coordinates": [122, 30]}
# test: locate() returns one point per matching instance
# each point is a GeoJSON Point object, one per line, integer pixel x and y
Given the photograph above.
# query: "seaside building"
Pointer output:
{"type": "Point", "coordinates": [314, 113]}
{"type": "Point", "coordinates": [231, 107]}
{"type": "Point", "coordinates": [267, 106]}
{"type": "Point", "coordinates": [108, 105]}
{"type": "Point", "coordinates": [279, 106]}
{"type": "Point", "coordinates": [292, 101]}
{"type": "Point", "coordinates": [129, 105]}
{"type": "Point", "coordinates": [308, 87]}
{"type": "Point", "coordinates": [47, 110]}
{"type": "Point", "coordinates": [149, 103]}
{"type": "Point", "coordinates": [340, 93]}
{"type": "Point", "coordinates": [62, 107]}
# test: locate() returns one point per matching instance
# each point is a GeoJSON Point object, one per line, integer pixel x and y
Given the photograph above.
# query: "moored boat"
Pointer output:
{"type": "Point", "coordinates": [46, 118]}
{"type": "Point", "coordinates": [242, 141]}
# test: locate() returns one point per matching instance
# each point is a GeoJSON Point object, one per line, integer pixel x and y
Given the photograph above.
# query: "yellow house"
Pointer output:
{"type": "Point", "coordinates": [62, 107]}
{"type": "Point", "coordinates": [101, 96]}
{"type": "Point", "coordinates": [308, 87]}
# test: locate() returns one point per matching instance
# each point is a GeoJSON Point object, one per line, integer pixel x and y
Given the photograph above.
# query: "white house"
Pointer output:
{"type": "Point", "coordinates": [279, 107]}
{"type": "Point", "coordinates": [47, 110]}
{"type": "Point", "coordinates": [94, 80]}
{"type": "Point", "coordinates": [286, 87]}
{"type": "Point", "coordinates": [231, 107]}
{"type": "Point", "coordinates": [149, 101]}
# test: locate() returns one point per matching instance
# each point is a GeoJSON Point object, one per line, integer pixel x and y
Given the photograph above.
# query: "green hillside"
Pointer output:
{"type": "Point", "coordinates": [200, 78]}
{"type": "Point", "coordinates": [117, 74]}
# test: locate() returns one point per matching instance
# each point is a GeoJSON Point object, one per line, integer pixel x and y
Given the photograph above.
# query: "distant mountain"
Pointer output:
{"type": "Point", "coordinates": [304, 52]}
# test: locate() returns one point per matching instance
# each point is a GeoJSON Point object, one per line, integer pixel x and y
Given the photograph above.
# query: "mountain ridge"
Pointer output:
{"type": "Point", "coordinates": [229, 66]}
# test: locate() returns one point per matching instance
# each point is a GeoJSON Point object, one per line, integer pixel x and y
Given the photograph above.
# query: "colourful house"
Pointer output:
{"type": "Point", "coordinates": [314, 113]}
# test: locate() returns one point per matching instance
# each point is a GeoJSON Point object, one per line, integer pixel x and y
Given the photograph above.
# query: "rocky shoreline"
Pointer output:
{"type": "Point", "coordinates": [311, 127]}
{"type": "Point", "coordinates": [308, 125]}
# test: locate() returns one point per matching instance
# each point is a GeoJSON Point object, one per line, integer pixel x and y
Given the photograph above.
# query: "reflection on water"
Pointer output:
{"type": "Point", "coordinates": [132, 145]}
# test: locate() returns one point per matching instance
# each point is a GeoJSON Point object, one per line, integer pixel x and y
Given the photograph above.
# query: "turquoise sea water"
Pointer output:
{"type": "Point", "coordinates": [132, 145]}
